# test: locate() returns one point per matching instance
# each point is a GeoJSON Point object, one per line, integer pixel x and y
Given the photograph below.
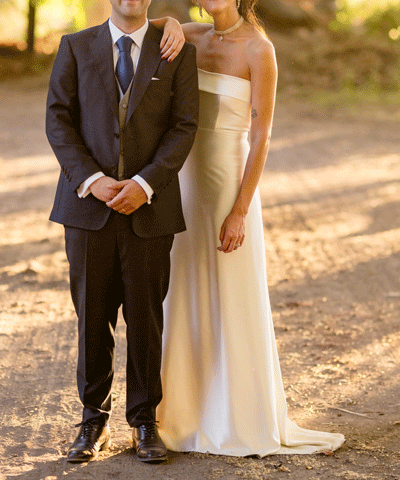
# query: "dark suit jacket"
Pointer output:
{"type": "Point", "coordinates": [83, 128]}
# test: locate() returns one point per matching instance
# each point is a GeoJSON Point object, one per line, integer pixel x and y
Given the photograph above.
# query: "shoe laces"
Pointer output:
{"type": "Point", "coordinates": [151, 428]}
{"type": "Point", "coordinates": [87, 427]}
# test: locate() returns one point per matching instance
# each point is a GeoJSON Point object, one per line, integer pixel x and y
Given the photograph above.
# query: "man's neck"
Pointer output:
{"type": "Point", "coordinates": [128, 26]}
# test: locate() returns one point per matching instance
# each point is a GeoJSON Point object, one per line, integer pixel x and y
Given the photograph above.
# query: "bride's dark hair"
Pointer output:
{"type": "Point", "coordinates": [247, 9]}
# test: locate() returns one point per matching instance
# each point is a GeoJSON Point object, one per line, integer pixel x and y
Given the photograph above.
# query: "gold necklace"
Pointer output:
{"type": "Point", "coordinates": [229, 30]}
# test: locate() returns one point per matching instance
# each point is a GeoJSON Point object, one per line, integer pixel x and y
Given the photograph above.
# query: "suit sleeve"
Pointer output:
{"type": "Point", "coordinates": [62, 119]}
{"type": "Point", "coordinates": [176, 143]}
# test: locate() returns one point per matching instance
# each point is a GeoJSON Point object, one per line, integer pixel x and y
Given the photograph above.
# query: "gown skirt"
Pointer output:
{"type": "Point", "coordinates": [222, 383]}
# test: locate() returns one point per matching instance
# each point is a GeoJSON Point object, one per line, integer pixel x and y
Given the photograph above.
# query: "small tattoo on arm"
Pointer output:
{"type": "Point", "coordinates": [253, 113]}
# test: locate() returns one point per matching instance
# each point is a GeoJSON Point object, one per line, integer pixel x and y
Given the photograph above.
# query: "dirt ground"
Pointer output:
{"type": "Point", "coordinates": [331, 206]}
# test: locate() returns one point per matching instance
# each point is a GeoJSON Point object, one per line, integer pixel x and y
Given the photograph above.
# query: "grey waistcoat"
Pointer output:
{"type": "Point", "coordinates": [123, 110]}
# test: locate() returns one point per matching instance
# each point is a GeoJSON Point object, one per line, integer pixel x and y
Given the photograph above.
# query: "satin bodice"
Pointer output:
{"type": "Point", "coordinates": [224, 102]}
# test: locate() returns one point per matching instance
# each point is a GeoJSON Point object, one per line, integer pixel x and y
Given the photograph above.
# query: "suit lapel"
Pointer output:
{"type": "Point", "coordinates": [101, 48]}
{"type": "Point", "coordinates": [150, 57]}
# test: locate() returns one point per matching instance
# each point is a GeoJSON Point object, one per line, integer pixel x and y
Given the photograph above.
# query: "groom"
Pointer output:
{"type": "Point", "coordinates": [121, 122]}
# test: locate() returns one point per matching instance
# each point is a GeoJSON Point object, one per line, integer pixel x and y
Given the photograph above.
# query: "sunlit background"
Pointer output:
{"type": "Point", "coordinates": [330, 194]}
{"type": "Point", "coordinates": [327, 45]}
{"type": "Point", "coordinates": [381, 17]}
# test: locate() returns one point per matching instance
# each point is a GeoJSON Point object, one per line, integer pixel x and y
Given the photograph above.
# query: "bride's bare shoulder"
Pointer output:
{"type": "Point", "coordinates": [258, 43]}
{"type": "Point", "coordinates": [260, 50]}
{"type": "Point", "coordinates": [193, 30]}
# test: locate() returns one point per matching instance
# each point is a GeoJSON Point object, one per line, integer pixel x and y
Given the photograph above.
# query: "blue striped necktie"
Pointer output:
{"type": "Point", "coordinates": [124, 69]}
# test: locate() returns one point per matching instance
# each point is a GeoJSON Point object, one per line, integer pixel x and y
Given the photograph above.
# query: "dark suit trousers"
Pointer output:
{"type": "Point", "coordinates": [110, 267]}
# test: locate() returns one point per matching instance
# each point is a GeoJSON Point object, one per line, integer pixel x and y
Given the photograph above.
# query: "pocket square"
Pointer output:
{"type": "Point", "coordinates": [155, 78]}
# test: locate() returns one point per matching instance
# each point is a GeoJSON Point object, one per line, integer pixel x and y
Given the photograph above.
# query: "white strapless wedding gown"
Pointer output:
{"type": "Point", "coordinates": [222, 383]}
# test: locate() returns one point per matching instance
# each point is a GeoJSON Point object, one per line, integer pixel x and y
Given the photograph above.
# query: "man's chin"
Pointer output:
{"type": "Point", "coordinates": [132, 11]}
{"type": "Point", "coordinates": [133, 6]}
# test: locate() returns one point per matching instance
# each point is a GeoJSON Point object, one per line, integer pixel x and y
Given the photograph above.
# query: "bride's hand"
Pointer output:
{"type": "Point", "coordinates": [232, 232]}
{"type": "Point", "coordinates": [172, 40]}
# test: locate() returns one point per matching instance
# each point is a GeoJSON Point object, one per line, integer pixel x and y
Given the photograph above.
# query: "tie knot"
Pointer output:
{"type": "Point", "coordinates": [125, 44]}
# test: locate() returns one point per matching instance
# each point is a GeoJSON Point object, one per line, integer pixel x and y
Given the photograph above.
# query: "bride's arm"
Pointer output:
{"type": "Point", "coordinates": [263, 71]}
{"type": "Point", "coordinates": [173, 37]}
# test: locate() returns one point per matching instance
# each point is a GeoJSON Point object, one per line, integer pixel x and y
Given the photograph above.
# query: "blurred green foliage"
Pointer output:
{"type": "Point", "coordinates": [368, 17]}
{"type": "Point", "coordinates": [194, 13]}
{"type": "Point", "coordinates": [357, 57]}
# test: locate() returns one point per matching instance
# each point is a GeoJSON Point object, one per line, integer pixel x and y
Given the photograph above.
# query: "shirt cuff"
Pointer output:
{"type": "Point", "coordinates": [146, 187]}
{"type": "Point", "coordinates": [83, 189]}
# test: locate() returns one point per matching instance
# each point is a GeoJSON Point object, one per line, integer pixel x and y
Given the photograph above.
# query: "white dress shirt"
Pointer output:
{"type": "Point", "coordinates": [137, 36]}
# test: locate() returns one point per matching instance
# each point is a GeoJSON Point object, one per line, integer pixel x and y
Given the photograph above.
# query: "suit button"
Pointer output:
{"type": "Point", "coordinates": [124, 105]}
{"type": "Point", "coordinates": [116, 135]}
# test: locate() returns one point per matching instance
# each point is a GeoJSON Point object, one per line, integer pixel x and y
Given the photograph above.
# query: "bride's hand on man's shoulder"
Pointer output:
{"type": "Point", "coordinates": [173, 39]}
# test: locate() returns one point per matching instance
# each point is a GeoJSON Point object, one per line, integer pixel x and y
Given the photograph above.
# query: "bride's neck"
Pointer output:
{"type": "Point", "coordinates": [225, 19]}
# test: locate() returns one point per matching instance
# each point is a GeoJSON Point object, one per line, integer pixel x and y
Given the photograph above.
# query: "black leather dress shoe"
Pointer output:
{"type": "Point", "coordinates": [92, 437]}
{"type": "Point", "coordinates": [149, 446]}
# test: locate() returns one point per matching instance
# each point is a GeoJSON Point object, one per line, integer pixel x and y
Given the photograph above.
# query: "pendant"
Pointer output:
{"type": "Point", "coordinates": [229, 30]}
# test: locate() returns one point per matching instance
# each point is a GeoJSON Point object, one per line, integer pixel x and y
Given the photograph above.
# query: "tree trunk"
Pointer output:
{"type": "Point", "coordinates": [30, 40]}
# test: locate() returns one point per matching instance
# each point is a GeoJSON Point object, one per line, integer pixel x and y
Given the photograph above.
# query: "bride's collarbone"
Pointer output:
{"type": "Point", "coordinates": [223, 59]}
{"type": "Point", "coordinates": [223, 64]}
{"type": "Point", "coordinates": [224, 47]}
{"type": "Point", "coordinates": [232, 69]}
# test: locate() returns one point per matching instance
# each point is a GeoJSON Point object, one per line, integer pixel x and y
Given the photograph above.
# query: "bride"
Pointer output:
{"type": "Point", "coordinates": [223, 390]}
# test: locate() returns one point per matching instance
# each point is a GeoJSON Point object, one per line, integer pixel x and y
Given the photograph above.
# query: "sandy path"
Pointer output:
{"type": "Point", "coordinates": [331, 204]}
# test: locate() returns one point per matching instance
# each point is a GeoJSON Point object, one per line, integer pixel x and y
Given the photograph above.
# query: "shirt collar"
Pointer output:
{"type": "Point", "coordinates": [137, 36]}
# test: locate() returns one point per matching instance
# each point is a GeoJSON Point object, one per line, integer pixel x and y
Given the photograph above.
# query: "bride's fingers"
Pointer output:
{"type": "Point", "coordinates": [222, 233]}
{"type": "Point", "coordinates": [167, 45]}
{"type": "Point", "coordinates": [170, 50]}
{"type": "Point", "coordinates": [232, 245]}
{"type": "Point", "coordinates": [164, 40]}
{"type": "Point", "coordinates": [228, 244]}
{"type": "Point", "coordinates": [225, 241]}
{"type": "Point", "coordinates": [173, 50]}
